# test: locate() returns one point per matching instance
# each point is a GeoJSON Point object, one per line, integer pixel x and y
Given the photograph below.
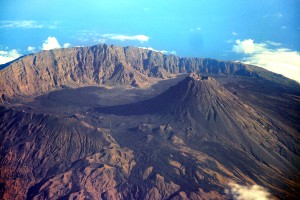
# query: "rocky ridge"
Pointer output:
{"type": "Point", "coordinates": [102, 65]}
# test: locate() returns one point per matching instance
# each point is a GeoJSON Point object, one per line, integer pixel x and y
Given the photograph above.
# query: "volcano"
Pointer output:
{"type": "Point", "coordinates": [108, 122]}
{"type": "Point", "coordinates": [205, 115]}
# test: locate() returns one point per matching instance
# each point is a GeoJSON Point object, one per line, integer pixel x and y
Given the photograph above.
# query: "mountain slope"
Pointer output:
{"type": "Point", "coordinates": [202, 104]}
{"type": "Point", "coordinates": [46, 157]}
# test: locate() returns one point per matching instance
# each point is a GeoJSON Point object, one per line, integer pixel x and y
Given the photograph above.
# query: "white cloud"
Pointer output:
{"type": "Point", "coordinates": [51, 43]}
{"type": "Point", "coordinates": [284, 27]}
{"type": "Point", "coordinates": [248, 46]}
{"type": "Point", "coordinates": [30, 48]}
{"type": "Point", "coordinates": [161, 51]}
{"type": "Point", "coordinates": [86, 35]}
{"type": "Point", "coordinates": [67, 45]}
{"type": "Point", "coordinates": [254, 192]}
{"type": "Point", "coordinates": [27, 24]}
{"type": "Point", "coordinates": [101, 40]}
{"type": "Point", "coordinates": [273, 15]}
{"type": "Point", "coordinates": [270, 56]}
{"type": "Point", "coordinates": [245, 46]}
{"type": "Point", "coordinates": [21, 24]}
{"type": "Point", "coordinates": [197, 29]}
{"type": "Point", "coordinates": [7, 56]}
{"type": "Point", "coordinates": [273, 43]}
{"type": "Point", "coordinates": [140, 38]}
{"type": "Point", "coordinates": [234, 33]}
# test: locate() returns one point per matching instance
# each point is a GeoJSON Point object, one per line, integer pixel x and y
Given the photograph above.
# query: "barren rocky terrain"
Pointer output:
{"type": "Point", "coordinates": [108, 122]}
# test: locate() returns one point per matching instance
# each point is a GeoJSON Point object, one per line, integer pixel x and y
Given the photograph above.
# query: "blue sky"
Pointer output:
{"type": "Point", "coordinates": [260, 32]}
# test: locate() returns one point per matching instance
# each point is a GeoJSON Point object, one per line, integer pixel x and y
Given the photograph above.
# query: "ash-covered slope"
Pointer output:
{"type": "Point", "coordinates": [213, 113]}
{"type": "Point", "coordinates": [201, 104]}
{"type": "Point", "coordinates": [101, 65]}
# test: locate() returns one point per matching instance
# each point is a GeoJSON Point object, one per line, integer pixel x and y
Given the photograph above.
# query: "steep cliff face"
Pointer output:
{"type": "Point", "coordinates": [102, 65]}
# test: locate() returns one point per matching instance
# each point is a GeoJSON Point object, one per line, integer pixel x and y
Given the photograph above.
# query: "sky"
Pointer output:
{"type": "Point", "coordinates": [260, 32]}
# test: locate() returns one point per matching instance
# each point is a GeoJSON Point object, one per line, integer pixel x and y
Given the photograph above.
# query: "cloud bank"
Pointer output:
{"type": "Point", "coordinates": [140, 38]}
{"type": "Point", "coordinates": [254, 192]}
{"type": "Point", "coordinates": [271, 56]}
{"type": "Point", "coordinates": [86, 35]}
{"type": "Point", "coordinates": [26, 24]}
{"type": "Point", "coordinates": [7, 56]}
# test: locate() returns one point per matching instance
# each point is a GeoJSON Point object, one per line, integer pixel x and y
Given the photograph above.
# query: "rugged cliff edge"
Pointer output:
{"type": "Point", "coordinates": [102, 65]}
